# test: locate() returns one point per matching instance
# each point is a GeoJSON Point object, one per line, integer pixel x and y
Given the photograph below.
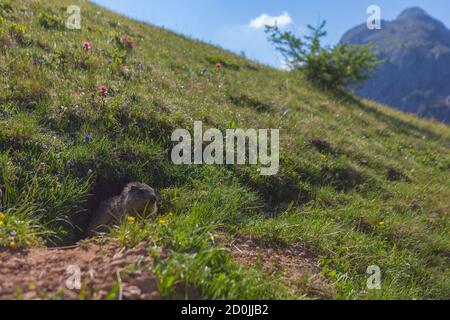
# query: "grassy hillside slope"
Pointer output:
{"type": "Point", "coordinates": [359, 184]}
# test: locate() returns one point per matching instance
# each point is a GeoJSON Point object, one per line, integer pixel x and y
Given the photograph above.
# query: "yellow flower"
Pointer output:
{"type": "Point", "coordinates": [231, 113]}
{"type": "Point", "coordinates": [381, 223]}
{"type": "Point", "coordinates": [1, 223]}
{"type": "Point", "coordinates": [162, 221]}
{"type": "Point", "coordinates": [13, 245]}
{"type": "Point", "coordinates": [130, 218]}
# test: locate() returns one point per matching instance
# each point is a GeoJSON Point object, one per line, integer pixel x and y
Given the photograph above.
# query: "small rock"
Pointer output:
{"type": "Point", "coordinates": [132, 293]}
{"type": "Point", "coordinates": [146, 284]}
{"type": "Point", "coordinates": [29, 296]}
{"type": "Point", "coordinates": [151, 296]}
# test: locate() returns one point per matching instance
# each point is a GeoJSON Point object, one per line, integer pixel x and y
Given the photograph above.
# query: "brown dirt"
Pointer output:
{"type": "Point", "coordinates": [296, 266]}
{"type": "Point", "coordinates": [42, 273]}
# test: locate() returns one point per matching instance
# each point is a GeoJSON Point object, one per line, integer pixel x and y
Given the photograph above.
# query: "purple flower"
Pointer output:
{"type": "Point", "coordinates": [88, 137]}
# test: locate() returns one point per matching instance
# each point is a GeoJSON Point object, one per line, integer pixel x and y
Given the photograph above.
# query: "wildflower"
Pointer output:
{"type": "Point", "coordinates": [13, 245]}
{"type": "Point", "coordinates": [381, 223]}
{"type": "Point", "coordinates": [86, 46]}
{"type": "Point", "coordinates": [127, 41]}
{"type": "Point", "coordinates": [1, 223]}
{"type": "Point", "coordinates": [218, 65]}
{"type": "Point", "coordinates": [283, 111]}
{"type": "Point", "coordinates": [103, 90]}
{"type": "Point", "coordinates": [39, 60]}
{"type": "Point", "coordinates": [42, 166]}
{"type": "Point", "coordinates": [130, 218]}
{"type": "Point", "coordinates": [88, 137]}
{"type": "Point", "coordinates": [231, 113]}
{"type": "Point", "coordinates": [162, 221]}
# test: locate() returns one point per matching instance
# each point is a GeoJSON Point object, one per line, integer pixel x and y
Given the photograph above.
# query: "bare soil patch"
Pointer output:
{"type": "Point", "coordinates": [42, 273]}
{"type": "Point", "coordinates": [297, 268]}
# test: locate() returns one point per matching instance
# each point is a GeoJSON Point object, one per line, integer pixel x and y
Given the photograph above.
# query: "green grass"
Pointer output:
{"type": "Point", "coordinates": [359, 184]}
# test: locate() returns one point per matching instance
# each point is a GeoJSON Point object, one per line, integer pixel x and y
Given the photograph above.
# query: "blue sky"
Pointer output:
{"type": "Point", "coordinates": [234, 24]}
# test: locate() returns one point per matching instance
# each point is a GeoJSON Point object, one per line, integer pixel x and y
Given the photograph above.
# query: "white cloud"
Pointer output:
{"type": "Point", "coordinates": [266, 20]}
{"type": "Point", "coordinates": [285, 65]}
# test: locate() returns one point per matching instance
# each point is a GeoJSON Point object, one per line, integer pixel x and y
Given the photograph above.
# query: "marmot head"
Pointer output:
{"type": "Point", "coordinates": [139, 198]}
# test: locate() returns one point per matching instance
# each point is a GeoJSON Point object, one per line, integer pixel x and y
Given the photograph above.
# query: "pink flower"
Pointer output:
{"type": "Point", "coordinates": [103, 90]}
{"type": "Point", "coordinates": [218, 65]}
{"type": "Point", "coordinates": [86, 46]}
{"type": "Point", "coordinates": [125, 39]}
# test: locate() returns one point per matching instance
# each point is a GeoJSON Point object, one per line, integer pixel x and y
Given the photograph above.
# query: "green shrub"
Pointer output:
{"type": "Point", "coordinates": [49, 21]}
{"type": "Point", "coordinates": [17, 32]}
{"type": "Point", "coordinates": [5, 41]}
{"type": "Point", "coordinates": [119, 57]}
{"type": "Point", "coordinates": [84, 61]}
{"type": "Point", "coordinates": [28, 93]}
{"type": "Point", "coordinates": [5, 5]}
{"type": "Point", "coordinates": [329, 67]}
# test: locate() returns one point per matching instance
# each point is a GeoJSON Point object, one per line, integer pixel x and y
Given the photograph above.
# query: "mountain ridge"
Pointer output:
{"type": "Point", "coordinates": [415, 75]}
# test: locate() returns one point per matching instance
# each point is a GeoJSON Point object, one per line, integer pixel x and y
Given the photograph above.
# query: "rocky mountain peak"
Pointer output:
{"type": "Point", "coordinates": [415, 74]}
{"type": "Point", "coordinates": [414, 12]}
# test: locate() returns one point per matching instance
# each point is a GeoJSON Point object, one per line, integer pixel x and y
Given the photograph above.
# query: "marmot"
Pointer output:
{"type": "Point", "coordinates": [135, 199]}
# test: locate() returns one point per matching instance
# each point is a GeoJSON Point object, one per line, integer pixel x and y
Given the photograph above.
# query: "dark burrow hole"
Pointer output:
{"type": "Point", "coordinates": [322, 146]}
{"type": "Point", "coordinates": [103, 189]}
{"type": "Point", "coordinates": [394, 174]}
{"type": "Point", "coordinates": [278, 191]}
{"type": "Point", "coordinates": [342, 178]}
{"type": "Point", "coordinates": [243, 100]}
